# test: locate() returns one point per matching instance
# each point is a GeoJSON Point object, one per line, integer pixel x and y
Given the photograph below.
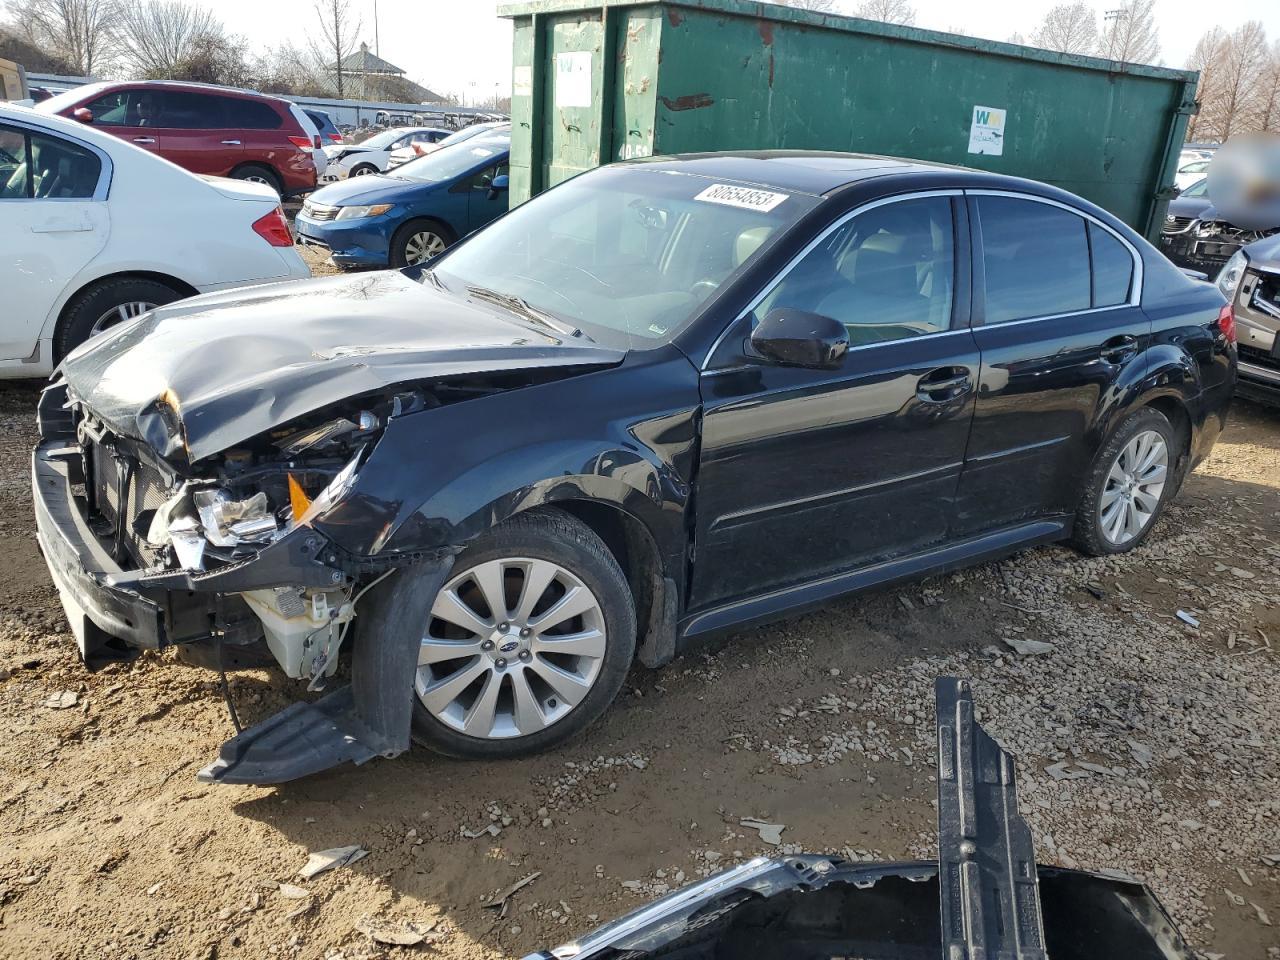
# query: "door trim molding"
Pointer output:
{"type": "Point", "coordinates": [794, 599]}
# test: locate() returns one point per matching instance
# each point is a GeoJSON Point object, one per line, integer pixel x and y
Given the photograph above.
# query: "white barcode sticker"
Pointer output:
{"type": "Point", "coordinates": [745, 197]}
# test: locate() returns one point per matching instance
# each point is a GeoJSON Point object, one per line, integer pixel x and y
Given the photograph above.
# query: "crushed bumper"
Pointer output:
{"type": "Point", "coordinates": [99, 601]}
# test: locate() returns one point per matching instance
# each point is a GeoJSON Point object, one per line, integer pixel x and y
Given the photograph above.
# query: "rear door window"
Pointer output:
{"type": "Point", "coordinates": [181, 110]}
{"type": "Point", "coordinates": [1036, 259]}
{"type": "Point", "coordinates": [63, 170]}
{"type": "Point", "coordinates": [15, 165]}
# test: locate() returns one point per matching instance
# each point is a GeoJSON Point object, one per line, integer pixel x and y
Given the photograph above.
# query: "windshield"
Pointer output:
{"type": "Point", "coordinates": [627, 253]}
{"type": "Point", "coordinates": [450, 162]}
{"type": "Point", "coordinates": [380, 141]}
{"type": "Point", "coordinates": [60, 101]}
{"type": "Point", "coordinates": [1197, 189]}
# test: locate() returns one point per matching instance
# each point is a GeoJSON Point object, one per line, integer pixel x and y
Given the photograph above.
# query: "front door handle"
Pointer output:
{"type": "Point", "coordinates": [231, 143]}
{"type": "Point", "coordinates": [144, 139]}
{"type": "Point", "coordinates": [944, 384]}
{"type": "Point", "coordinates": [1119, 349]}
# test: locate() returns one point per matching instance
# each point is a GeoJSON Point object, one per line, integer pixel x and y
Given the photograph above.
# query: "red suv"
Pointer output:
{"type": "Point", "coordinates": [206, 129]}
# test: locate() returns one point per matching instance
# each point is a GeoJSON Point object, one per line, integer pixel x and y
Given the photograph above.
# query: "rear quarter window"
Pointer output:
{"type": "Point", "coordinates": [1112, 268]}
{"type": "Point", "coordinates": [251, 115]}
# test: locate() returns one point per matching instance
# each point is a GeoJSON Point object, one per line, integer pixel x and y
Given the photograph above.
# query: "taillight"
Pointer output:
{"type": "Point", "coordinates": [1227, 323]}
{"type": "Point", "coordinates": [274, 228]}
{"type": "Point", "coordinates": [302, 143]}
{"type": "Point", "coordinates": [335, 137]}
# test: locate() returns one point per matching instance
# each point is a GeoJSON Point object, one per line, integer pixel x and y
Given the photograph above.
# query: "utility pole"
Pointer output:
{"type": "Point", "coordinates": [377, 47]}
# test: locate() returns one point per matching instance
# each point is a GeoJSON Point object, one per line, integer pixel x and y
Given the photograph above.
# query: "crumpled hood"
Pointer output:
{"type": "Point", "coordinates": [1265, 254]}
{"type": "Point", "coordinates": [216, 370]}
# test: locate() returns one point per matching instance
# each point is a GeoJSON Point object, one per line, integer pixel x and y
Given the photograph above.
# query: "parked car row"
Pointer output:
{"type": "Point", "coordinates": [371, 155]}
{"type": "Point", "coordinates": [85, 244]}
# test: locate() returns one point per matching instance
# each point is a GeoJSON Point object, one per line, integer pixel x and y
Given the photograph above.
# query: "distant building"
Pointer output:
{"type": "Point", "coordinates": [368, 76]}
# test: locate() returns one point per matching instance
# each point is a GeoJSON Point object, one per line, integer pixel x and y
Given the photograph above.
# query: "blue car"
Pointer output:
{"type": "Point", "coordinates": [411, 216]}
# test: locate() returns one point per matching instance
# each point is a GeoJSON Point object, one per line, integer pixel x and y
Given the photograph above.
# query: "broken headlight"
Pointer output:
{"type": "Point", "coordinates": [230, 523]}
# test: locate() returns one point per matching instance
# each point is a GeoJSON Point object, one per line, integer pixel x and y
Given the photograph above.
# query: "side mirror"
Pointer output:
{"type": "Point", "coordinates": [798, 338]}
{"type": "Point", "coordinates": [83, 114]}
{"type": "Point", "coordinates": [498, 185]}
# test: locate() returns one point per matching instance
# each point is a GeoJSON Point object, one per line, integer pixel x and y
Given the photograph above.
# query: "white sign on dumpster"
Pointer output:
{"type": "Point", "coordinates": [573, 79]}
{"type": "Point", "coordinates": [986, 132]}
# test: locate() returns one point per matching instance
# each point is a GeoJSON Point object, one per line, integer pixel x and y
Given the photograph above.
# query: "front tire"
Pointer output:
{"type": "Point", "coordinates": [527, 643]}
{"type": "Point", "coordinates": [1128, 486]}
{"type": "Point", "coordinates": [417, 242]}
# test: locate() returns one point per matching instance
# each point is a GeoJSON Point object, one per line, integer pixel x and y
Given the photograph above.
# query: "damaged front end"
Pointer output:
{"type": "Point", "coordinates": [222, 558]}
{"type": "Point", "coordinates": [985, 896]}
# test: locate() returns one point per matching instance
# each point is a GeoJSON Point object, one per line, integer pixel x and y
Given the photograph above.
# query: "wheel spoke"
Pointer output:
{"type": "Point", "coordinates": [574, 603]}
{"type": "Point", "coordinates": [1153, 454]}
{"type": "Point", "coordinates": [489, 578]}
{"type": "Point", "coordinates": [537, 577]}
{"type": "Point", "coordinates": [1153, 474]}
{"type": "Point", "coordinates": [570, 688]}
{"type": "Point", "coordinates": [1146, 500]}
{"type": "Point", "coordinates": [479, 722]}
{"type": "Point", "coordinates": [526, 714]}
{"type": "Point", "coordinates": [1116, 474]}
{"type": "Point", "coordinates": [439, 695]}
{"type": "Point", "coordinates": [1117, 523]}
{"type": "Point", "coordinates": [450, 607]}
{"type": "Point", "coordinates": [1109, 514]}
{"type": "Point", "coordinates": [588, 643]}
{"type": "Point", "coordinates": [434, 650]}
{"type": "Point", "coordinates": [1109, 497]}
{"type": "Point", "coordinates": [1133, 522]}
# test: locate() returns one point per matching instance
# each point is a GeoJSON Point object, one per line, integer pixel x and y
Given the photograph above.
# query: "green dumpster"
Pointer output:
{"type": "Point", "coordinates": [616, 79]}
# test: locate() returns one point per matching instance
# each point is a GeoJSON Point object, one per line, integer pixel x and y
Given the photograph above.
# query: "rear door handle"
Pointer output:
{"type": "Point", "coordinates": [944, 384]}
{"type": "Point", "coordinates": [56, 225]}
{"type": "Point", "coordinates": [231, 143]}
{"type": "Point", "coordinates": [144, 139]}
{"type": "Point", "coordinates": [1119, 349]}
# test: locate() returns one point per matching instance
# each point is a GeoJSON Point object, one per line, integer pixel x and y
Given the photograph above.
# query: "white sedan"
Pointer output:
{"type": "Point", "coordinates": [371, 156]}
{"type": "Point", "coordinates": [94, 230]}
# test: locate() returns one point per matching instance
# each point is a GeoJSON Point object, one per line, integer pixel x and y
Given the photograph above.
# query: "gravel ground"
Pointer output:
{"type": "Point", "coordinates": [1144, 744]}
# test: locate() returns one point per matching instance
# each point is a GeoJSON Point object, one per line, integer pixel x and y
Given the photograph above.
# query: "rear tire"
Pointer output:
{"type": "Point", "coordinates": [256, 173]}
{"type": "Point", "coordinates": [418, 241]}
{"type": "Point", "coordinates": [106, 303]}
{"type": "Point", "coordinates": [1132, 478]}
{"type": "Point", "coordinates": [584, 573]}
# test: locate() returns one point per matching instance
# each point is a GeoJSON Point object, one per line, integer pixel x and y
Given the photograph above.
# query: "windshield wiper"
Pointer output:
{"type": "Point", "coordinates": [525, 309]}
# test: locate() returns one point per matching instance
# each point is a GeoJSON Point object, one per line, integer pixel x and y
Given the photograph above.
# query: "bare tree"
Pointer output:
{"type": "Point", "coordinates": [337, 39]}
{"type": "Point", "coordinates": [1231, 99]}
{"type": "Point", "coordinates": [1130, 34]}
{"type": "Point", "coordinates": [157, 35]}
{"type": "Point", "coordinates": [1269, 92]}
{"type": "Point", "coordinates": [1206, 58]}
{"type": "Point", "coordinates": [81, 32]}
{"type": "Point", "coordinates": [888, 11]}
{"type": "Point", "coordinates": [1069, 28]}
{"type": "Point", "coordinates": [817, 6]}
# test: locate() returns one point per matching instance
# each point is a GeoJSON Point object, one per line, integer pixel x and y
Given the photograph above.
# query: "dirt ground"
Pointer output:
{"type": "Point", "coordinates": [1143, 744]}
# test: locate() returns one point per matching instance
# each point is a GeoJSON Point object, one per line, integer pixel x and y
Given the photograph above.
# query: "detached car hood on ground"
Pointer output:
{"type": "Point", "coordinates": [207, 373]}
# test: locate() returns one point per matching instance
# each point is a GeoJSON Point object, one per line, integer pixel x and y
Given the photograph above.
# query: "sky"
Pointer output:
{"type": "Point", "coordinates": [463, 47]}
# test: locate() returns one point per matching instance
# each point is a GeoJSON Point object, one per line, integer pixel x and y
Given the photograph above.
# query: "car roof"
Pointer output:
{"type": "Point", "coordinates": [803, 171]}
{"type": "Point", "coordinates": [189, 85]}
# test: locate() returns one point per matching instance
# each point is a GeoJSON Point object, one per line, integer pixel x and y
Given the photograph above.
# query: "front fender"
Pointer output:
{"type": "Point", "coordinates": [439, 478]}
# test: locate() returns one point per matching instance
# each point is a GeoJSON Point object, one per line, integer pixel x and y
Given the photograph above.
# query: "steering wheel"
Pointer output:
{"type": "Point", "coordinates": [705, 287]}
{"type": "Point", "coordinates": [573, 304]}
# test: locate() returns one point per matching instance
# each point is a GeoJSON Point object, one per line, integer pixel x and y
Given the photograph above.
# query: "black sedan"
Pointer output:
{"type": "Point", "coordinates": [666, 399]}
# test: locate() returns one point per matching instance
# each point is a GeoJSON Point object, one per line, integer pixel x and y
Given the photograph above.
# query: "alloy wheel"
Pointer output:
{"type": "Point", "coordinates": [119, 314]}
{"type": "Point", "coordinates": [422, 246]}
{"type": "Point", "coordinates": [512, 647]}
{"type": "Point", "coordinates": [1134, 484]}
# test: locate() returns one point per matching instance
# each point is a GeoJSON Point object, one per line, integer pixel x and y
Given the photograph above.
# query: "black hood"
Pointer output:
{"type": "Point", "coordinates": [213, 371]}
{"type": "Point", "coordinates": [1264, 254]}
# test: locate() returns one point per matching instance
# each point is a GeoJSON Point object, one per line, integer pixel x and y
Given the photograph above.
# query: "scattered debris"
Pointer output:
{"type": "Point", "coordinates": [318, 863]}
{"type": "Point", "coordinates": [491, 830]}
{"type": "Point", "coordinates": [770, 833]}
{"type": "Point", "coordinates": [396, 933]}
{"type": "Point", "coordinates": [501, 898]}
{"type": "Point", "coordinates": [62, 700]}
{"type": "Point", "coordinates": [1262, 914]}
{"type": "Point", "coordinates": [291, 892]}
{"type": "Point", "coordinates": [1188, 619]}
{"type": "Point", "coordinates": [1059, 771]}
{"type": "Point", "coordinates": [1028, 648]}
{"type": "Point", "coordinates": [1244, 877]}
{"type": "Point", "coordinates": [1141, 753]}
